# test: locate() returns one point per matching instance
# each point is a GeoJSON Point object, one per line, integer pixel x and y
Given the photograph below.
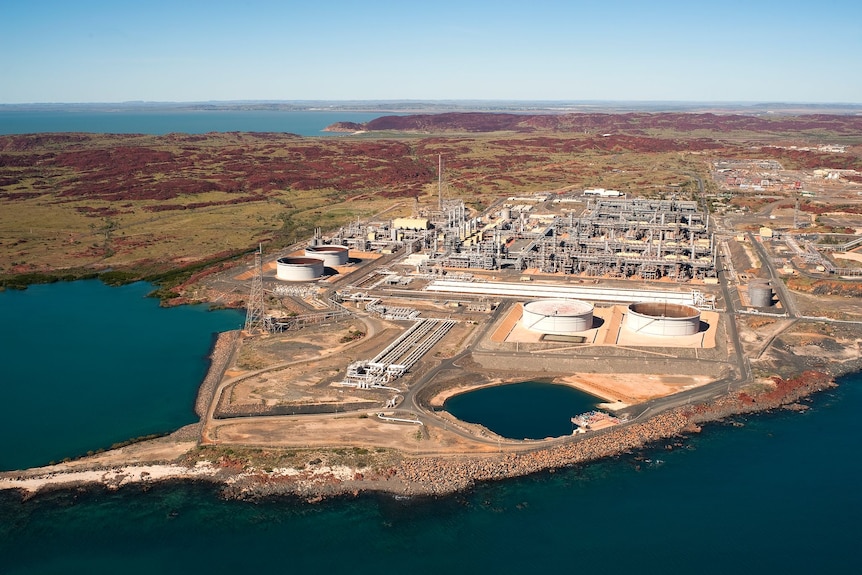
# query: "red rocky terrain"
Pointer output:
{"type": "Point", "coordinates": [632, 123]}
{"type": "Point", "coordinates": [246, 166]}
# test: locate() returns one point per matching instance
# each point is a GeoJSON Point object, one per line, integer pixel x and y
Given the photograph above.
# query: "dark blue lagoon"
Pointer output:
{"type": "Point", "coordinates": [529, 410]}
{"type": "Point", "coordinates": [85, 365]}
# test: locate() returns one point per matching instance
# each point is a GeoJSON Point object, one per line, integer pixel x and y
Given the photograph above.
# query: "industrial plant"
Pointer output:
{"type": "Point", "coordinates": [640, 300]}
{"type": "Point", "coordinates": [558, 269]}
{"type": "Point", "coordinates": [611, 238]}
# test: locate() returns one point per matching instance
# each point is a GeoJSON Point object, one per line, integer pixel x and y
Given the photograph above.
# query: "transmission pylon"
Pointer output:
{"type": "Point", "coordinates": [255, 317]}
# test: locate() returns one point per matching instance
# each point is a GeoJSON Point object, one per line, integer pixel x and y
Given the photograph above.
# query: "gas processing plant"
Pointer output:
{"type": "Point", "coordinates": [519, 269]}
{"type": "Point", "coordinates": [614, 238]}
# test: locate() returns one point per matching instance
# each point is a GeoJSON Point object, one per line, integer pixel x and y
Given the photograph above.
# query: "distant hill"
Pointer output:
{"type": "Point", "coordinates": [629, 123]}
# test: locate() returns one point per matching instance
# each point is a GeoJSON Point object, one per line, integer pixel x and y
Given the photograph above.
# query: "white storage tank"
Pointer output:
{"type": "Point", "coordinates": [557, 316]}
{"type": "Point", "coordinates": [299, 269]}
{"type": "Point", "coordinates": [663, 319]}
{"type": "Point", "coordinates": [760, 293]}
{"type": "Point", "coordinates": [332, 255]}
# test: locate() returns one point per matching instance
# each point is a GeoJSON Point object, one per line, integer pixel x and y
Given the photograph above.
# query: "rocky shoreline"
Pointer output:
{"type": "Point", "coordinates": [418, 476]}
{"type": "Point", "coordinates": [222, 350]}
{"type": "Point", "coordinates": [437, 476]}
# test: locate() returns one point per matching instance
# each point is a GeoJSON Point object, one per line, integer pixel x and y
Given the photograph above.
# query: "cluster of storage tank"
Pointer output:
{"type": "Point", "coordinates": [567, 316]}
{"type": "Point", "coordinates": [312, 265]}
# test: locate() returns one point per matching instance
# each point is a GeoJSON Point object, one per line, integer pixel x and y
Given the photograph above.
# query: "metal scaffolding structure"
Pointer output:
{"type": "Point", "coordinates": [399, 356]}
{"type": "Point", "coordinates": [612, 238]}
{"type": "Point", "coordinates": [256, 320]}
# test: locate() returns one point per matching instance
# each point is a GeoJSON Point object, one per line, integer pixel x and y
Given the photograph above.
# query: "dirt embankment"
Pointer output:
{"type": "Point", "coordinates": [443, 475]}
{"type": "Point", "coordinates": [826, 287]}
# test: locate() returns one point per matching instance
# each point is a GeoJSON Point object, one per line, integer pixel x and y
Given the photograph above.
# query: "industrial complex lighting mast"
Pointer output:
{"type": "Point", "coordinates": [255, 318]}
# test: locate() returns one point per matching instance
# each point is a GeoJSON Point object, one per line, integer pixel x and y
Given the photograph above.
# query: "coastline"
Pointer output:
{"type": "Point", "coordinates": [410, 476]}
{"type": "Point", "coordinates": [220, 355]}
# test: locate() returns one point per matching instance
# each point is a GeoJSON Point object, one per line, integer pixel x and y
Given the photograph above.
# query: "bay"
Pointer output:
{"type": "Point", "coordinates": [85, 365]}
{"type": "Point", "coordinates": [164, 121]}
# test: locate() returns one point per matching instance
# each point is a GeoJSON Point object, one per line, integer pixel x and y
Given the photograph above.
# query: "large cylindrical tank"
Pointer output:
{"type": "Point", "coordinates": [332, 255]}
{"type": "Point", "coordinates": [298, 269]}
{"type": "Point", "coordinates": [557, 316]}
{"type": "Point", "coordinates": [760, 293]}
{"type": "Point", "coordinates": [664, 319]}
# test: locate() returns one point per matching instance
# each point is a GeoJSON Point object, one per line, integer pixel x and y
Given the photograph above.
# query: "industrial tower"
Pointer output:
{"type": "Point", "coordinates": [255, 318]}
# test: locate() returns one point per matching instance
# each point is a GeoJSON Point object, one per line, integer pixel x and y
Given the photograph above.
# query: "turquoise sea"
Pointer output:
{"type": "Point", "coordinates": [164, 121]}
{"type": "Point", "coordinates": [774, 493]}
{"type": "Point", "coordinates": [85, 366]}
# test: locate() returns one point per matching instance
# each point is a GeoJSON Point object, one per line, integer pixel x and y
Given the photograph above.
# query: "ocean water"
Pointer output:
{"type": "Point", "coordinates": [528, 410]}
{"type": "Point", "coordinates": [164, 121]}
{"type": "Point", "coordinates": [84, 365]}
{"type": "Point", "coordinates": [778, 495]}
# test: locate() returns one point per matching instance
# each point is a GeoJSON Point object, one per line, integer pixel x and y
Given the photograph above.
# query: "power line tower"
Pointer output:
{"type": "Point", "coordinates": [255, 317]}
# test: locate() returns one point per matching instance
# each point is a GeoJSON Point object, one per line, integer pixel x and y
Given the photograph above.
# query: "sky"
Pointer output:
{"type": "Point", "coordinates": [619, 50]}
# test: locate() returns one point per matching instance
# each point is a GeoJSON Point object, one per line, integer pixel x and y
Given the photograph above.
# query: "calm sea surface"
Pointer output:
{"type": "Point", "coordinates": [167, 121]}
{"type": "Point", "coordinates": [85, 366]}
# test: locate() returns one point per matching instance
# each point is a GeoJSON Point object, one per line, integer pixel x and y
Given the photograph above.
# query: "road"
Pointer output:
{"type": "Point", "coordinates": [777, 283]}
{"type": "Point", "coordinates": [410, 405]}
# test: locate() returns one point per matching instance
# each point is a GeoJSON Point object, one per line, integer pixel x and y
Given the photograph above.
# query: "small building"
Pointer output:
{"type": "Point", "coordinates": [411, 224]}
{"type": "Point", "coordinates": [601, 192]}
{"type": "Point", "coordinates": [766, 233]}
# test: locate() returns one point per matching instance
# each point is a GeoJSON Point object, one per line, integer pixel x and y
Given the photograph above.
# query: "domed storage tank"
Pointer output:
{"type": "Point", "coordinates": [557, 316]}
{"type": "Point", "coordinates": [664, 319]}
{"type": "Point", "coordinates": [760, 293]}
{"type": "Point", "coordinates": [332, 255]}
{"type": "Point", "coordinates": [297, 269]}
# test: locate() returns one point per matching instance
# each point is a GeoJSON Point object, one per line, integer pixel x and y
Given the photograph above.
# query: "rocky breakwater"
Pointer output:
{"type": "Point", "coordinates": [437, 475]}
{"type": "Point", "coordinates": [220, 355]}
{"type": "Point", "coordinates": [782, 393]}
{"type": "Point", "coordinates": [440, 475]}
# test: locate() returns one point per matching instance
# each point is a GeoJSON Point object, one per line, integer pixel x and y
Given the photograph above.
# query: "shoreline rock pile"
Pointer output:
{"type": "Point", "coordinates": [219, 357]}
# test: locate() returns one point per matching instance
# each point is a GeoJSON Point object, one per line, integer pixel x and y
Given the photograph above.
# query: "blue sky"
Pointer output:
{"type": "Point", "coordinates": [697, 50]}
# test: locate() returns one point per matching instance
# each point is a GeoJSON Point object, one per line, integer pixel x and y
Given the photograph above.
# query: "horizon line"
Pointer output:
{"type": "Point", "coordinates": [436, 101]}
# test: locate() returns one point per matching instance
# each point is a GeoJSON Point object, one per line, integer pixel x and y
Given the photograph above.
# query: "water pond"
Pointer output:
{"type": "Point", "coordinates": [528, 410]}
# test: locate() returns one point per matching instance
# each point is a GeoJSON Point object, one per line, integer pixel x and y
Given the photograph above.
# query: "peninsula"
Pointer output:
{"type": "Point", "coordinates": [680, 268]}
